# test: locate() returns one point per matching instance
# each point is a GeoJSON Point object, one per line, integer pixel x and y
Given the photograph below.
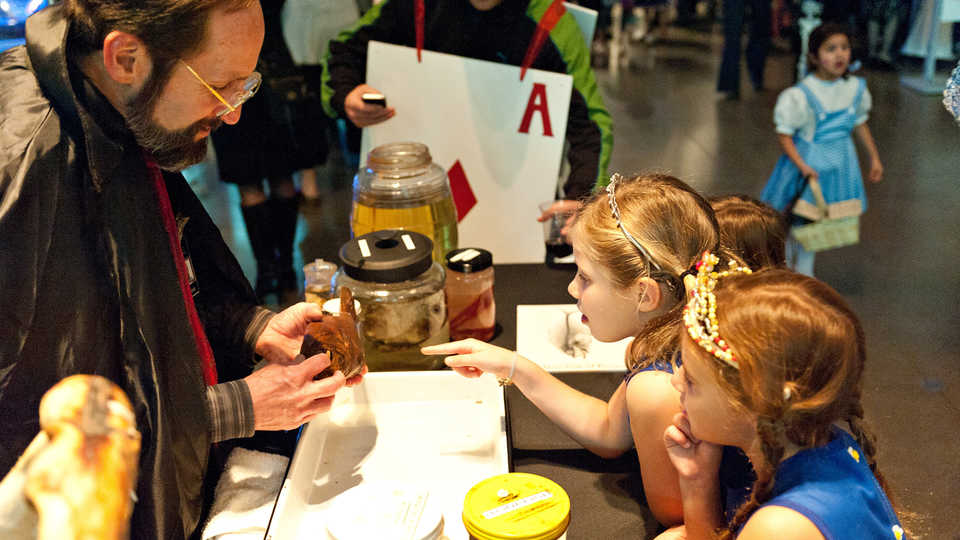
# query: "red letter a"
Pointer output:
{"type": "Point", "coordinates": [537, 102]}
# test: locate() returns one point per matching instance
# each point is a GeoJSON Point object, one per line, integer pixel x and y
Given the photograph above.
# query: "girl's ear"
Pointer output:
{"type": "Point", "coordinates": [650, 295]}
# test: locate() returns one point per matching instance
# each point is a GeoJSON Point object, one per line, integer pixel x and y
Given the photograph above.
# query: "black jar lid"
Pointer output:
{"type": "Point", "coordinates": [468, 260]}
{"type": "Point", "coordinates": [387, 256]}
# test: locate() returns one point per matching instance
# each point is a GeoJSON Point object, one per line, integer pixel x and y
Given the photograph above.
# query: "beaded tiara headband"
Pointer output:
{"type": "Point", "coordinates": [612, 199]}
{"type": "Point", "coordinates": [700, 314]}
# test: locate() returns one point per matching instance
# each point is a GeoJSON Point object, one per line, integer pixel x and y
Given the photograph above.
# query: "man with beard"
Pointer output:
{"type": "Point", "coordinates": [110, 264]}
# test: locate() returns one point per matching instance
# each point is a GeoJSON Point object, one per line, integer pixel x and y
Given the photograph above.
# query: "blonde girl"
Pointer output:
{"type": "Point", "coordinates": [632, 243]}
{"type": "Point", "coordinates": [773, 364]}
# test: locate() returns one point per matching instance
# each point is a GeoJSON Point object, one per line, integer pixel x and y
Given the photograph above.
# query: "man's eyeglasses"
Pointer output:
{"type": "Point", "coordinates": [236, 93]}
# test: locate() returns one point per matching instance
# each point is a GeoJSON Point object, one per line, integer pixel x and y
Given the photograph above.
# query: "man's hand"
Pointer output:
{"type": "Point", "coordinates": [365, 114]}
{"type": "Point", "coordinates": [281, 340]}
{"type": "Point", "coordinates": [286, 396]}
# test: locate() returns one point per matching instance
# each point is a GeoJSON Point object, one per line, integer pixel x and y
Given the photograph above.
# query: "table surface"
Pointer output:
{"type": "Point", "coordinates": [606, 495]}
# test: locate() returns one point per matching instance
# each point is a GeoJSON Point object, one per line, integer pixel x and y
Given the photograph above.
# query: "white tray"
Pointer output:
{"type": "Point", "coordinates": [436, 431]}
{"type": "Point", "coordinates": [543, 333]}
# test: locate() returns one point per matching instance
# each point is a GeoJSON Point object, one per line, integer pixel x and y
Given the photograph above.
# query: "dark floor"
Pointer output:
{"type": "Point", "coordinates": [902, 278]}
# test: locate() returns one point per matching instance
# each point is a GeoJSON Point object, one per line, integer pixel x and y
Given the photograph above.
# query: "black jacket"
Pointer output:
{"type": "Point", "coordinates": [89, 283]}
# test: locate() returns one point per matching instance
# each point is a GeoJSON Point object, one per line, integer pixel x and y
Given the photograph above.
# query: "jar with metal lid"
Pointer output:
{"type": "Point", "coordinates": [402, 188]}
{"type": "Point", "coordinates": [317, 281]}
{"type": "Point", "coordinates": [470, 303]}
{"type": "Point", "coordinates": [401, 293]}
{"type": "Point", "coordinates": [516, 506]}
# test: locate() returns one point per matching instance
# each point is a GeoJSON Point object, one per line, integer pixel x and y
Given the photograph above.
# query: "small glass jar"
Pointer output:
{"type": "Point", "coordinates": [470, 303]}
{"type": "Point", "coordinates": [516, 506]}
{"type": "Point", "coordinates": [401, 293]}
{"type": "Point", "coordinates": [318, 281]}
{"type": "Point", "coordinates": [402, 188]}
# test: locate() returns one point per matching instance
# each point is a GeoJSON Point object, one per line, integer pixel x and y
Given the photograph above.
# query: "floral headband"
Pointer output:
{"type": "Point", "coordinates": [951, 94]}
{"type": "Point", "coordinates": [700, 314]}
{"type": "Point", "coordinates": [612, 199]}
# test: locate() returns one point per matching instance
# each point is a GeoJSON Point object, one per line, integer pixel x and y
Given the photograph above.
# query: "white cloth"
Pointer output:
{"type": "Point", "coordinates": [309, 25]}
{"type": "Point", "coordinates": [245, 495]}
{"type": "Point", "coordinates": [793, 114]}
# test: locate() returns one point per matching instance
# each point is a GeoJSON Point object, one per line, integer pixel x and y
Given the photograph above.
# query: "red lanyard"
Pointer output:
{"type": "Point", "coordinates": [170, 224]}
{"type": "Point", "coordinates": [549, 20]}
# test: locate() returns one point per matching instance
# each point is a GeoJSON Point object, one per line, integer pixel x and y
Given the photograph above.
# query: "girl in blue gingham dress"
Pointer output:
{"type": "Point", "coordinates": [814, 120]}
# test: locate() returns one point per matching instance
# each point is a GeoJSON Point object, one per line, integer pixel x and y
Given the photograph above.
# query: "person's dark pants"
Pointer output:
{"type": "Point", "coordinates": [734, 14]}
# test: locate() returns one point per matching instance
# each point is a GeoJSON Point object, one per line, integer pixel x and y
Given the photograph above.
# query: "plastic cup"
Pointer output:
{"type": "Point", "coordinates": [555, 242]}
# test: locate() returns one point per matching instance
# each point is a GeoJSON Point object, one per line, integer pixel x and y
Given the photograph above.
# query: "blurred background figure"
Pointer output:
{"type": "Point", "coordinates": [308, 27]}
{"type": "Point", "coordinates": [13, 16]}
{"type": "Point", "coordinates": [650, 20]}
{"type": "Point", "coordinates": [884, 19]}
{"type": "Point", "coordinates": [282, 131]}
{"type": "Point", "coordinates": [735, 13]}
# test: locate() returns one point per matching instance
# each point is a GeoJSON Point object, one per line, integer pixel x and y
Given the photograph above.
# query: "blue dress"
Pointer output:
{"type": "Point", "coordinates": [832, 154]}
{"type": "Point", "coordinates": [835, 489]}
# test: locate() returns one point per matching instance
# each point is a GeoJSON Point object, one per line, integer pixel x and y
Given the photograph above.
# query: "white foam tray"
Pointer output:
{"type": "Point", "coordinates": [542, 330]}
{"type": "Point", "coordinates": [436, 431]}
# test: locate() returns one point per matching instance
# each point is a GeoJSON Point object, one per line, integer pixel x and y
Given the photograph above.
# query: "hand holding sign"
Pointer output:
{"type": "Point", "coordinates": [364, 114]}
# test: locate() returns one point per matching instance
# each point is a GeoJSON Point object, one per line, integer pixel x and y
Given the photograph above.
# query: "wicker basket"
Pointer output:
{"type": "Point", "coordinates": [826, 233]}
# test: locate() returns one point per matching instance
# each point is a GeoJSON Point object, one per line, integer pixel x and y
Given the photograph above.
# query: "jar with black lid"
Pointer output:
{"type": "Point", "coordinates": [401, 293]}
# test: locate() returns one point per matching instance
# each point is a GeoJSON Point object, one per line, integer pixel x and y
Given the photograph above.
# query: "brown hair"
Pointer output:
{"type": "Point", "coordinates": [170, 29]}
{"type": "Point", "coordinates": [674, 224]}
{"type": "Point", "coordinates": [751, 231]}
{"type": "Point", "coordinates": [789, 331]}
{"type": "Point", "coordinates": [819, 35]}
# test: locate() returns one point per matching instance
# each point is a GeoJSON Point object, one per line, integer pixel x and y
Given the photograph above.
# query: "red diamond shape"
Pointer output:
{"type": "Point", "coordinates": [463, 197]}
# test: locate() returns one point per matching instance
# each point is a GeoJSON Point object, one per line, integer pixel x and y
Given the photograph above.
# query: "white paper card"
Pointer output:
{"type": "Point", "coordinates": [553, 336]}
{"type": "Point", "coordinates": [483, 116]}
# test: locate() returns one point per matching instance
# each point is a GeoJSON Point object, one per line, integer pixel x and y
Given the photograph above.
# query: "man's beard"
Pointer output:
{"type": "Point", "coordinates": [172, 150]}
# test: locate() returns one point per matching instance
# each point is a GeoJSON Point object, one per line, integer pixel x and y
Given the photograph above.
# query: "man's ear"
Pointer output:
{"type": "Point", "coordinates": [125, 58]}
{"type": "Point", "coordinates": [650, 294]}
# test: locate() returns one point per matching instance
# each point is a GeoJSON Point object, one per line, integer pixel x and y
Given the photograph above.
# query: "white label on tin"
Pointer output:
{"type": "Point", "coordinates": [467, 255]}
{"type": "Point", "coordinates": [364, 248]}
{"type": "Point", "coordinates": [407, 241]}
{"type": "Point", "coordinates": [517, 504]}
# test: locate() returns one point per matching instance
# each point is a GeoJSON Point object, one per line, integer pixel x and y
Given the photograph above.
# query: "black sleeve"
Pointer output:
{"type": "Point", "coordinates": [346, 64]}
{"type": "Point", "coordinates": [583, 154]}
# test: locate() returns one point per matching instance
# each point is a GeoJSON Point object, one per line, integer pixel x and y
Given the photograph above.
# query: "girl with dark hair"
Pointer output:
{"type": "Point", "coordinates": [773, 364]}
{"type": "Point", "coordinates": [814, 120]}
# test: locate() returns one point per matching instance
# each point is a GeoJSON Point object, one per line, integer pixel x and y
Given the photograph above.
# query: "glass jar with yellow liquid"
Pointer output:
{"type": "Point", "coordinates": [402, 188]}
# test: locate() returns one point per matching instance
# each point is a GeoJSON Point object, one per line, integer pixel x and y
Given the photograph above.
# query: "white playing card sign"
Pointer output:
{"type": "Point", "coordinates": [506, 135]}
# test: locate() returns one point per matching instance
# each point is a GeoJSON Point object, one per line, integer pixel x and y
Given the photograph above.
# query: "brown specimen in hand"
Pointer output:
{"type": "Point", "coordinates": [337, 335]}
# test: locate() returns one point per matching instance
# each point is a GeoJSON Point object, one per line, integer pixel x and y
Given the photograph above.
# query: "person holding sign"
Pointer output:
{"type": "Point", "coordinates": [535, 34]}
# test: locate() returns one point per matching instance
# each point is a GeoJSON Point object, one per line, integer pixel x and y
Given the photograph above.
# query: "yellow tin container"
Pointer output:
{"type": "Point", "coordinates": [516, 506]}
